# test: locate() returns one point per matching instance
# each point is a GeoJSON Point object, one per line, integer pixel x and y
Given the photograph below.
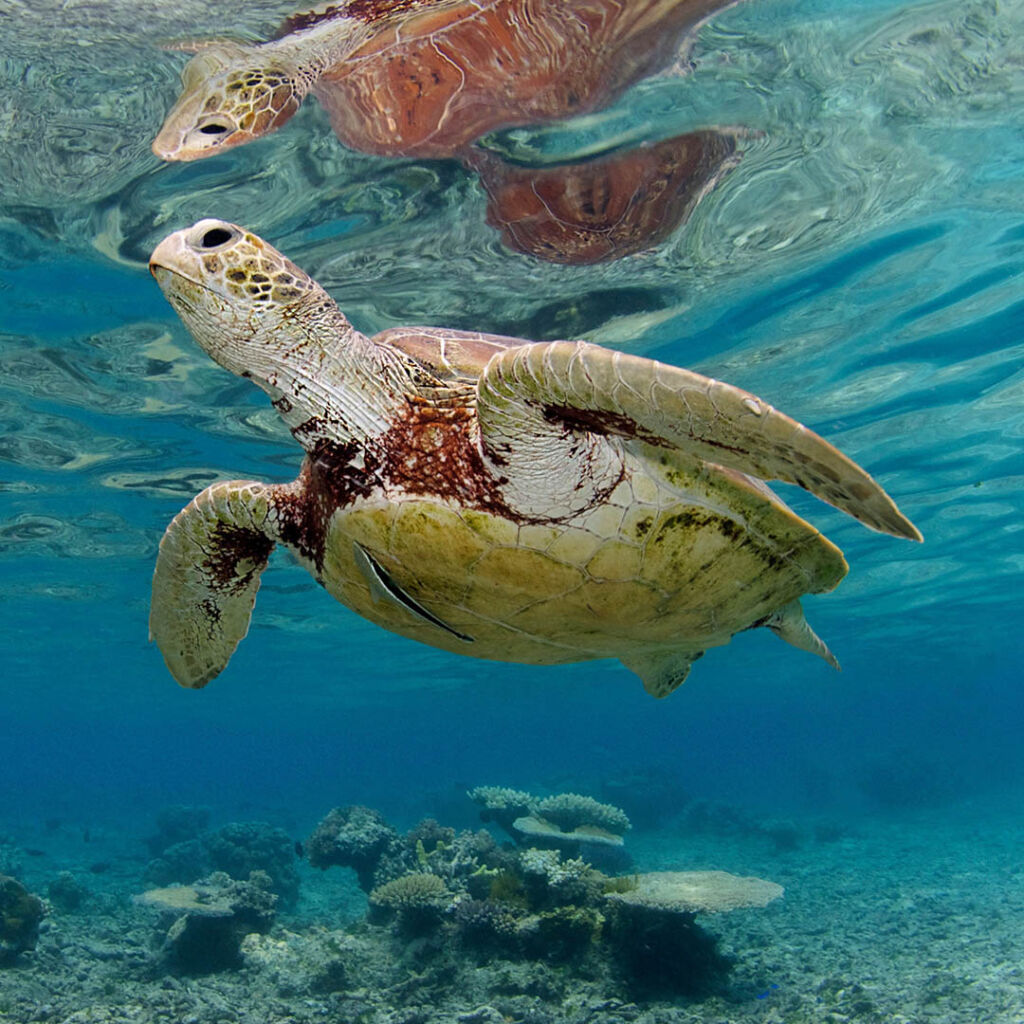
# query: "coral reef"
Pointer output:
{"type": "Point", "coordinates": [567, 820]}
{"type": "Point", "coordinates": [359, 838]}
{"type": "Point", "coordinates": [355, 837]}
{"type": "Point", "coordinates": [534, 829]}
{"type": "Point", "coordinates": [410, 892]}
{"type": "Point", "coordinates": [571, 811]}
{"type": "Point", "coordinates": [20, 915]}
{"type": "Point", "coordinates": [511, 944]}
{"type": "Point", "coordinates": [438, 892]}
{"type": "Point", "coordinates": [502, 805]}
{"type": "Point", "coordinates": [659, 948]}
{"type": "Point", "coordinates": [237, 849]}
{"type": "Point", "coordinates": [210, 919]}
{"type": "Point", "coordinates": [551, 881]}
{"type": "Point", "coordinates": [181, 862]}
{"type": "Point", "coordinates": [240, 848]}
{"type": "Point", "coordinates": [417, 900]}
{"type": "Point", "coordinates": [486, 928]}
{"type": "Point", "coordinates": [663, 952]}
{"type": "Point", "coordinates": [690, 892]}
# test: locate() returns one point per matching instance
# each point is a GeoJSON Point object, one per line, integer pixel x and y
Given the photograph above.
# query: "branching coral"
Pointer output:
{"type": "Point", "coordinates": [417, 899]}
{"type": "Point", "coordinates": [561, 819]}
{"type": "Point", "coordinates": [419, 889]}
{"type": "Point", "coordinates": [552, 881]}
{"type": "Point", "coordinates": [571, 810]}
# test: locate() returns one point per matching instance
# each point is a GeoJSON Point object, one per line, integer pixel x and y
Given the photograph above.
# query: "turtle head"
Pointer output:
{"type": "Point", "coordinates": [249, 307]}
{"type": "Point", "coordinates": [231, 94]}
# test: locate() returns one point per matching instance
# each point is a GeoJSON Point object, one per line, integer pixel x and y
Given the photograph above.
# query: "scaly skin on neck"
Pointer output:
{"type": "Point", "coordinates": [233, 93]}
{"type": "Point", "coordinates": [263, 318]}
{"type": "Point", "coordinates": [329, 380]}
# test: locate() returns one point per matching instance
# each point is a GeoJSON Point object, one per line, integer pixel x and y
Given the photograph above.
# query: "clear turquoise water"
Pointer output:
{"type": "Point", "coordinates": [861, 269]}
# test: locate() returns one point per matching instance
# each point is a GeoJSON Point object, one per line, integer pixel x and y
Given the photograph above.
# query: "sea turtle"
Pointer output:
{"type": "Point", "coordinates": [426, 77]}
{"type": "Point", "coordinates": [535, 502]}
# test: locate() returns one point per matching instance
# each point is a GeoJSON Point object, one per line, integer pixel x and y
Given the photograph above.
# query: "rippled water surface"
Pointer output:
{"type": "Point", "coordinates": [861, 267]}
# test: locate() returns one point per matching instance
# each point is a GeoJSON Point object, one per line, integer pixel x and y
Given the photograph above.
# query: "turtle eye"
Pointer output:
{"type": "Point", "coordinates": [214, 129]}
{"type": "Point", "coordinates": [215, 237]}
{"type": "Point", "coordinates": [210, 234]}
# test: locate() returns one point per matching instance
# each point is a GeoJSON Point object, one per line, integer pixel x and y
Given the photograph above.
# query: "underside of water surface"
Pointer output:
{"type": "Point", "coordinates": [855, 259]}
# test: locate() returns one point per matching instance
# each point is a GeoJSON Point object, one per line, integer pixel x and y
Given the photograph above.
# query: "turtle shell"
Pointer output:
{"type": "Point", "coordinates": [679, 556]}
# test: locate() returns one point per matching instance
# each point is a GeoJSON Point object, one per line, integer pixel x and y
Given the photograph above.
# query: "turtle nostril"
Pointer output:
{"type": "Point", "coordinates": [215, 237]}
{"type": "Point", "coordinates": [214, 129]}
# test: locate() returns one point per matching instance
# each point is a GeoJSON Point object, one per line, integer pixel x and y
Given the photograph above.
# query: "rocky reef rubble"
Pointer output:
{"type": "Point", "coordinates": [209, 919]}
{"type": "Point", "coordinates": [20, 915]}
{"type": "Point", "coordinates": [184, 849]}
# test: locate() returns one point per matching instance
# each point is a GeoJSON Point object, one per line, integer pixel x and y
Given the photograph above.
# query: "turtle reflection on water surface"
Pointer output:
{"type": "Point", "coordinates": [532, 502]}
{"type": "Point", "coordinates": [426, 78]}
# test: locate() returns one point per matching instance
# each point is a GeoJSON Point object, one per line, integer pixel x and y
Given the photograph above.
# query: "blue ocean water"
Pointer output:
{"type": "Point", "coordinates": [861, 268]}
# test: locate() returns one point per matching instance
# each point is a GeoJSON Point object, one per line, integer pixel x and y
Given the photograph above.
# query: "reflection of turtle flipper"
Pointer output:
{"type": "Point", "coordinates": [207, 575]}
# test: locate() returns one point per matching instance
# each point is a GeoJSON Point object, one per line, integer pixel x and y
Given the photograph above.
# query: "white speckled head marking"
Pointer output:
{"type": "Point", "coordinates": [233, 290]}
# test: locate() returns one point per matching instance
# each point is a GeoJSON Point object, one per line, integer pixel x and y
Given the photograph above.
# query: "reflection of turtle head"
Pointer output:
{"type": "Point", "coordinates": [248, 306]}
{"type": "Point", "coordinates": [231, 94]}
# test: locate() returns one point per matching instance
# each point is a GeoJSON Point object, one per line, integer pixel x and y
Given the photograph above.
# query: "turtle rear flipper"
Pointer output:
{"type": "Point", "coordinates": [789, 624]}
{"type": "Point", "coordinates": [207, 575]}
{"type": "Point", "coordinates": [587, 389]}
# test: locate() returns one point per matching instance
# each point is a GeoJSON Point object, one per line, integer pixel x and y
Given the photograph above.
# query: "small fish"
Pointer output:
{"type": "Point", "coordinates": [35, 853]}
{"type": "Point", "coordinates": [300, 850]}
{"type": "Point", "coordinates": [768, 991]}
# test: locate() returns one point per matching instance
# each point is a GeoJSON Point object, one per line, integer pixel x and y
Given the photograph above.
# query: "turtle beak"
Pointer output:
{"type": "Point", "coordinates": [167, 261]}
{"type": "Point", "coordinates": [180, 254]}
{"type": "Point", "coordinates": [162, 275]}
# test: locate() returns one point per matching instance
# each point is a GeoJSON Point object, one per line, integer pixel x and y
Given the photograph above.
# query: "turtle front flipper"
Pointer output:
{"type": "Point", "coordinates": [585, 388]}
{"type": "Point", "coordinates": [207, 574]}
